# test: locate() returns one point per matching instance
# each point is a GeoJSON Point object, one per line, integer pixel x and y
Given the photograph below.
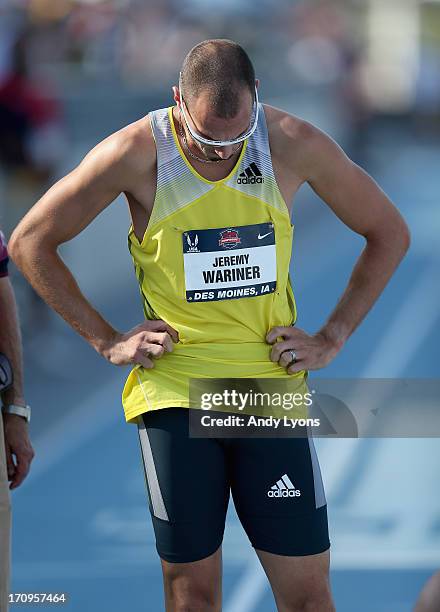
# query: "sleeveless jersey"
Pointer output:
{"type": "Point", "coordinates": [214, 264]}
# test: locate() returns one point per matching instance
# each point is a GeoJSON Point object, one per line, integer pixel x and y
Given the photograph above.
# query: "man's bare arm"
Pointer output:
{"type": "Point", "coordinates": [17, 442]}
{"type": "Point", "coordinates": [358, 201]}
{"type": "Point", "coordinates": [62, 213]}
{"type": "Point", "coordinates": [10, 342]}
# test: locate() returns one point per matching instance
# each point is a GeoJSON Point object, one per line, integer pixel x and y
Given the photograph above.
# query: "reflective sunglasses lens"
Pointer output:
{"type": "Point", "coordinates": [221, 143]}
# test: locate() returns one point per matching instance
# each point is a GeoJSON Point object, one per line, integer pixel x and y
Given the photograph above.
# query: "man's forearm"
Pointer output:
{"type": "Point", "coordinates": [10, 342]}
{"type": "Point", "coordinates": [372, 271]}
{"type": "Point", "coordinates": [54, 282]}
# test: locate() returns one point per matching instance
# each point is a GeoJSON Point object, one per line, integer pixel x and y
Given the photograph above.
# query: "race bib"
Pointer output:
{"type": "Point", "coordinates": [229, 262]}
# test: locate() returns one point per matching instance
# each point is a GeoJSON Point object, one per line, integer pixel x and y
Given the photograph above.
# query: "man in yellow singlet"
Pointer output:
{"type": "Point", "coordinates": [209, 183]}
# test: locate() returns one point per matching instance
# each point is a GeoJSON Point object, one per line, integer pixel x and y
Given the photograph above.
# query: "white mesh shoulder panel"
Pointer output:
{"type": "Point", "coordinates": [176, 185]}
{"type": "Point", "coordinates": [255, 175]}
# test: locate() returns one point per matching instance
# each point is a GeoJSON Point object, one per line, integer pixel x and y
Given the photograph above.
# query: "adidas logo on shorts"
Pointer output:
{"type": "Point", "coordinates": [283, 488]}
{"type": "Point", "coordinates": [250, 175]}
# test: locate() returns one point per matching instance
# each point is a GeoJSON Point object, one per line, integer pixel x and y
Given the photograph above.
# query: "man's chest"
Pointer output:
{"type": "Point", "coordinates": [143, 193]}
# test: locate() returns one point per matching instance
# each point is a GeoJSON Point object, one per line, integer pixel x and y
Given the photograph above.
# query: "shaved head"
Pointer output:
{"type": "Point", "coordinates": [222, 68]}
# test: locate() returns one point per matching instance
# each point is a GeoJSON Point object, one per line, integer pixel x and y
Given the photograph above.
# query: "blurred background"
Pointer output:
{"type": "Point", "coordinates": [365, 71]}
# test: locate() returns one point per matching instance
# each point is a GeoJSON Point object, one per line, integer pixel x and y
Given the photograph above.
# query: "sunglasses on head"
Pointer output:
{"type": "Point", "coordinates": [219, 143]}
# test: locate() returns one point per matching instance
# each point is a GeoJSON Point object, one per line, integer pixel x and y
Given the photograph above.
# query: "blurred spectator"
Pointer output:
{"type": "Point", "coordinates": [31, 144]}
{"type": "Point", "coordinates": [428, 87]}
{"type": "Point", "coordinates": [322, 42]}
{"type": "Point", "coordinates": [153, 38]}
{"type": "Point", "coordinates": [29, 136]}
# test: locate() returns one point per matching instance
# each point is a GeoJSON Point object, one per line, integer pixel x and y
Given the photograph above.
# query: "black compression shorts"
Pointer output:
{"type": "Point", "coordinates": [276, 486]}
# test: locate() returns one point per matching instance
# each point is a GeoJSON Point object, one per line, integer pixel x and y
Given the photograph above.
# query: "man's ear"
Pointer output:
{"type": "Point", "coordinates": [176, 94]}
{"type": "Point", "coordinates": [257, 83]}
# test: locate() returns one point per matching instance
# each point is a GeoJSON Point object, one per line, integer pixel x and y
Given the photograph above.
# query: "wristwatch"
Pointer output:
{"type": "Point", "coordinates": [23, 411]}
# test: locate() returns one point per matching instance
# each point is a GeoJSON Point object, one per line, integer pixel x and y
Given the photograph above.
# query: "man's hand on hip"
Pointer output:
{"type": "Point", "coordinates": [312, 352]}
{"type": "Point", "coordinates": [145, 342]}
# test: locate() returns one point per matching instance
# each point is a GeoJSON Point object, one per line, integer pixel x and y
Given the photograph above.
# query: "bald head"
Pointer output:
{"type": "Point", "coordinates": [221, 68]}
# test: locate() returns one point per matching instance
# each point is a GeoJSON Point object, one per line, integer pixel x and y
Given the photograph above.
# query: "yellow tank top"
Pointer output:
{"type": "Point", "coordinates": [214, 264]}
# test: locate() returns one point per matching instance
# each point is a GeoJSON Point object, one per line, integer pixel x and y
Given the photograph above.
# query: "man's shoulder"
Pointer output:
{"type": "Point", "coordinates": [133, 145]}
{"type": "Point", "coordinates": [286, 128]}
{"type": "Point", "coordinates": [296, 142]}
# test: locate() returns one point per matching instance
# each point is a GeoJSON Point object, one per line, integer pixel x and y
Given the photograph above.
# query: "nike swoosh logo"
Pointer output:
{"type": "Point", "coordinates": [263, 236]}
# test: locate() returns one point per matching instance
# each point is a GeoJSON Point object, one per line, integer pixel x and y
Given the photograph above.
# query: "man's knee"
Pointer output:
{"type": "Point", "coordinates": [310, 600]}
{"type": "Point", "coordinates": [190, 591]}
{"type": "Point", "coordinates": [323, 604]}
{"type": "Point", "coordinates": [190, 595]}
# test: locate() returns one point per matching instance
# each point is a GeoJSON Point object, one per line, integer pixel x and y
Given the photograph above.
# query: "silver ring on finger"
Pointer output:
{"type": "Point", "coordinates": [293, 355]}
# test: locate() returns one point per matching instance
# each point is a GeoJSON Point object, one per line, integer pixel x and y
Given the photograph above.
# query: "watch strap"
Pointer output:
{"type": "Point", "coordinates": [23, 411]}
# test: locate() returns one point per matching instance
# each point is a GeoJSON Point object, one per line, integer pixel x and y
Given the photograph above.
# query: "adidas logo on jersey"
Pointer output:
{"type": "Point", "coordinates": [283, 488]}
{"type": "Point", "coordinates": [250, 175]}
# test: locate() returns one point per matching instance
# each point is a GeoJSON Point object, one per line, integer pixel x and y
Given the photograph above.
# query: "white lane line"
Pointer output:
{"type": "Point", "coordinates": [409, 329]}
{"type": "Point", "coordinates": [389, 360]}
{"type": "Point", "coordinates": [386, 559]}
{"type": "Point", "coordinates": [250, 589]}
{"type": "Point", "coordinates": [419, 306]}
